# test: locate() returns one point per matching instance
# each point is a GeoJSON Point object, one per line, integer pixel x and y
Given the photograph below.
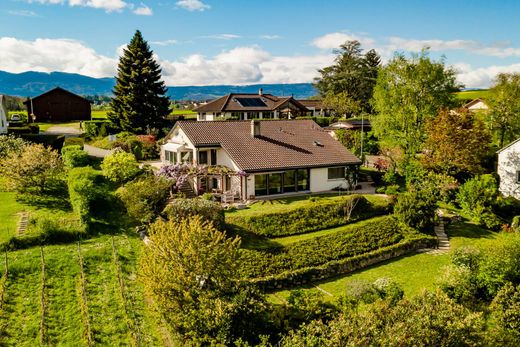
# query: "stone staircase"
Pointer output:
{"type": "Point", "coordinates": [443, 245]}
{"type": "Point", "coordinates": [187, 190]}
{"type": "Point", "coordinates": [22, 223]}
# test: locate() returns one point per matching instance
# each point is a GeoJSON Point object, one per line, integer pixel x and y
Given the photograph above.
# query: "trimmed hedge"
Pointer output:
{"type": "Point", "coordinates": [96, 128]}
{"type": "Point", "coordinates": [85, 189]}
{"type": "Point", "coordinates": [74, 156]}
{"type": "Point", "coordinates": [209, 210]}
{"type": "Point", "coordinates": [318, 216]}
{"type": "Point", "coordinates": [351, 241]}
{"type": "Point", "coordinates": [74, 141]}
{"type": "Point", "coordinates": [343, 266]}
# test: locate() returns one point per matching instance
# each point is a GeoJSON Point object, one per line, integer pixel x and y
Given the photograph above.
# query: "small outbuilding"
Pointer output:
{"type": "Point", "coordinates": [59, 105]}
{"type": "Point", "coordinates": [508, 169]}
{"type": "Point", "coordinates": [3, 115]}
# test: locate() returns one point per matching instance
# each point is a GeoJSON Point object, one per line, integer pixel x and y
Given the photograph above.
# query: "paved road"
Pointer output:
{"type": "Point", "coordinates": [63, 130]}
{"type": "Point", "coordinates": [96, 152]}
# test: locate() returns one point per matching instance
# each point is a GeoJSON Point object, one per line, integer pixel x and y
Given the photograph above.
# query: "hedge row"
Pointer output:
{"type": "Point", "coordinates": [96, 128]}
{"type": "Point", "coordinates": [86, 188]}
{"type": "Point", "coordinates": [209, 210]}
{"type": "Point", "coordinates": [343, 266]}
{"type": "Point", "coordinates": [350, 241]}
{"type": "Point", "coordinates": [317, 216]}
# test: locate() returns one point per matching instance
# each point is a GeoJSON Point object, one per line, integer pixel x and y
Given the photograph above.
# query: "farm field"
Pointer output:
{"type": "Point", "coordinates": [472, 94]}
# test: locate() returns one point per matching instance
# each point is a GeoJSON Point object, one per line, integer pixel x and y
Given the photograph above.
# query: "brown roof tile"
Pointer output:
{"type": "Point", "coordinates": [230, 103]}
{"type": "Point", "coordinates": [282, 143]}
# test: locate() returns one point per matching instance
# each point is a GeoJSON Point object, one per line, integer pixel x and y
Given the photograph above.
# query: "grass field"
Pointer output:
{"type": "Point", "coordinates": [413, 272]}
{"type": "Point", "coordinates": [472, 94]}
{"type": "Point", "coordinates": [9, 208]}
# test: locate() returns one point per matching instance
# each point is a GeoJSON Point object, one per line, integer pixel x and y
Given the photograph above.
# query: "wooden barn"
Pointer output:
{"type": "Point", "coordinates": [58, 105]}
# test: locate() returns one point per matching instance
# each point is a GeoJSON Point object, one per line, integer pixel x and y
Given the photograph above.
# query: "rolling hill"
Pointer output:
{"type": "Point", "coordinates": [34, 83]}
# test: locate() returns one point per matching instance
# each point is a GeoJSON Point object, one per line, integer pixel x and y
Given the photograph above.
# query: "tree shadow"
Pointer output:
{"type": "Point", "coordinates": [54, 197]}
{"type": "Point", "coordinates": [251, 240]}
{"type": "Point", "coordinates": [468, 230]}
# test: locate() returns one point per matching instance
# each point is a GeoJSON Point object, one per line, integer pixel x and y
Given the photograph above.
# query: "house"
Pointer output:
{"type": "Point", "coordinates": [269, 157]}
{"type": "Point", "coordinates": [250, 106]}
{"type": "Point", "coordinates": [508, 169]}
{"type": "Point", "coordinates": [476, 105]}
{"type": "Point", "coordinates": [315, 108]}
{"type": "Point", "coordinates": [3, 115]}
{"type": "Point", "coordinates": [348, 125]}
{"type": "Point", "coordinates": [58, 105]}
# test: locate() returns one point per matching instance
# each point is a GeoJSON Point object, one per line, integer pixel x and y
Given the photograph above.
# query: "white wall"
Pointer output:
{"type": "Point", "coordinates": [3, 116]}
{"type": "Point", "coordinates": [508, 165]}
{"type": "Point", "coordinates": [320, 182]}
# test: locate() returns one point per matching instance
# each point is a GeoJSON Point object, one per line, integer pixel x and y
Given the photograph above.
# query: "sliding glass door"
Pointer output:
{"type": "Point", "coordinates": [289, 181]}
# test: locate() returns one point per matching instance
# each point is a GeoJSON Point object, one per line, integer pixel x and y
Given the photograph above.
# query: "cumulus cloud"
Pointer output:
{"type": "Point", "coordinates": [482, 77]}
{"type": "Point", "coordinates": [47, 55]}
{"type": "Point", "coordinates": [143, 10]}
{"type": "Point", "coordinates": [334, 40]}
{"type": "Point", "coordinates": [193, 5]}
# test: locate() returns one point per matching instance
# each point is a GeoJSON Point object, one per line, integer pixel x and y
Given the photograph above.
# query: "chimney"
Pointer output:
{"type": "Point", "coordinates": [260, 92]}
{"type": "Point", "coordinates": [255, 128]}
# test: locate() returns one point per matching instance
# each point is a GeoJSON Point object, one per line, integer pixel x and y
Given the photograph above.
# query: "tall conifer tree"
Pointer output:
{"type": "Point", "coordinates": [140, 102]}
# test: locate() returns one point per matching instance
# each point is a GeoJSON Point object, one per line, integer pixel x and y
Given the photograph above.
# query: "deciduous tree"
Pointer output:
{"type": "Point", "coordinates": [504, 101]}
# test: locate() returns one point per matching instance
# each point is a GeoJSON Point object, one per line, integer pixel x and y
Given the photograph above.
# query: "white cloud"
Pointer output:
{"type": "Point", "coordinates": [482, 77]}
{"type": "Point", "coordinates": [193, 5]}
{"type": "Point", "coordinates": [23, 13]}
{"type": "Point", "coordinates": [47, 55]}
{"type": "Point", "coordinates": [107, 5]}
{"type": "Point", "coordinates": [221, 36]}
{"type": "Point", "coordinates": [270, 37]}
{"type": "Point", "coordinates": [334, 40]}
{"type": "Point", "coordinates": [164, 43]}
{"type": "Point", "coordinates": [143, 10]}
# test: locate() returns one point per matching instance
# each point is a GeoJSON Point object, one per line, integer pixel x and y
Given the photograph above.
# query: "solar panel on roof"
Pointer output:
{"type": "Point", "coordinates": [251, 102]}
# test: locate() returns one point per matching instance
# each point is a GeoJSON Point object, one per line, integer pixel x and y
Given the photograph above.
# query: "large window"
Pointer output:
{"type": "Point", "coordinates": [335, 173]}
{"type": "Point", "coordinates": [170, 156]}
{"type": "Point", "coordinates": [289, 181]}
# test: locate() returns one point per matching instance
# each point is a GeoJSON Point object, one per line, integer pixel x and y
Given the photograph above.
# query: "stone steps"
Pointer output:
{"type": "Point", "coordinates": [22, 223]}
{"type": "Point", "coordinates": [443, 244]}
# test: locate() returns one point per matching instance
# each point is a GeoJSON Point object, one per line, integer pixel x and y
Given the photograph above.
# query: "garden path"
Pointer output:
{"type": "Point", "coordinates": [96, 151]}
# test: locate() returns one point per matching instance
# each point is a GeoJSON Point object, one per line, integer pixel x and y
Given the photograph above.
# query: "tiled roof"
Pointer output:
{"type": "Point", "coordinates": [231, 102]}
{"type": "Point", "coordinates": [282, 144]}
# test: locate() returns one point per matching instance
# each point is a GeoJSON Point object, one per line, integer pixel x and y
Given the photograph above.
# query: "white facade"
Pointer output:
{"type": "Point", "coordinates": [509, 169]}
{"type": "Point", "coordinates": [3, 115]}
{"type": "Point", "coordinates": [477, 105]}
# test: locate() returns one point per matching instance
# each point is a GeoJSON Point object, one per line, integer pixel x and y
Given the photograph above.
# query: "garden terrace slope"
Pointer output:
{"type": "Point", "coordinates": [298, 216]}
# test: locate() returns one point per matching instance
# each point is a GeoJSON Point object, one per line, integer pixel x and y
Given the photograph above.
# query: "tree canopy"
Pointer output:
{"type": "Point", "coordinates": [504, 103]}
{"type": "Point", "coordinates": [347, 84]}
{"type": "Point", "coordinates": [140, 102]}
{"type": "Point", "coordinates": [408, 92]}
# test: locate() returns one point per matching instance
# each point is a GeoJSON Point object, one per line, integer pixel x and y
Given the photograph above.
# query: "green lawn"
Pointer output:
{"type": "Point", "coordinates": [288, 204]}
{"type": "Point", "coordinates": [413, 272]}
{"type": "Point", "coordinates": [472, 94]}
{"type": "Point", "coordinates": [99, 114]}
{"type": "Point", "coordinates": [185, 112]}
{"type": "Point", "coordinates": [46, 126]}
{"type": "Point", "coordinates": [9, 208]}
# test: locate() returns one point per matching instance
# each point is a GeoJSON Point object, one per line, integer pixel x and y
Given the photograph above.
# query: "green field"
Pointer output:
{"type": "Point", "coordinates": [472, 94]}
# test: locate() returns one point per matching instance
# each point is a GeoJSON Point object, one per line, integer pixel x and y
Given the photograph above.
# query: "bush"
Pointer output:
{"type": "Point", "coordinates": [373, 234]}
{"type": "Point", "coordinates": [74, 156]}
{"type": "Point", "coordinates": [74, 141]}
{"type": "Point", "coordinates": [9, 144]}
{"type": "Point", "coordinates": [478, 195]}
{"type": "Point", "coordinates": [208, 210]}
{"type": "Point", "coordinates": [506, 207]}
{"type": "Point", "coordinates": [415, 209]}
{"type": "Point", "coordinates": [97, 128]}
{"type": "Point", "coordinates": [145, 198]}
{"type": "Point", "coordinates": [317, 216]}
{"type": "Point", "coordinates": [85, 189]}
{"type": "Point", "coordinates": [120, 167]}
{"type": "Point", "coordinates": [54, 141]}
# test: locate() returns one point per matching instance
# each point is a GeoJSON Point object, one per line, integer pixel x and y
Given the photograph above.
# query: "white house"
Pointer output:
{"type": "Point", "coordinates": [509, 169]}
{"type": "Point", "coordinates": [3, 115]}
{"type": "Point", "coordinates": [476, 105]}
{"type": "Point", "coordinates": [250, 106]}
{"type": "Point", "coordinates": [270, 157]}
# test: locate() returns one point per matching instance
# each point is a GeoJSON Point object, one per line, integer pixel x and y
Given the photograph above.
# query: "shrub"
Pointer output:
{"type": "Point", "coordinates": [208, 210]}
{"type": "Point", "coordinates": [145, 198]}
{"type": "Point", "coordinates": [54, 141]}
{"type": "Point", "coordinates": [10, 143]}
{"type": "Point", "coordinates": [317, 216]}
{"type": "Point", "coordinates": [74, 156]}
{"type": "Point", "coordinates": [120, 167]}
{"type": "Point", "coordinates": [35, 168]}
{"type": "Point", "coordinates": [506, 207]}
{"type": "Point", "coordinates": [97, 128]}
{"type": "Point", "coordinates": [506, 311]}
{"type": "Point", "coordinates": [415, 209]}
{"type": "Point", "coordinates": [74, 141]}
{"type": "Point", "coordinates": [85, 189]}
{"type": "Point", "coordinates": [478, 195]}
{"type": "Point", "coordinates": [373, 234]}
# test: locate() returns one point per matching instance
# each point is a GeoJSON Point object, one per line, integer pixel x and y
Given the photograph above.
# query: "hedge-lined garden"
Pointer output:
{"type": "Point", "coordinates": [315, 214]}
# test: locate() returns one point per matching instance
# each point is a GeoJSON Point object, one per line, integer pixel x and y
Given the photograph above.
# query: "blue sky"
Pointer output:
{"type": "Point", "coordinates": [241, 42]}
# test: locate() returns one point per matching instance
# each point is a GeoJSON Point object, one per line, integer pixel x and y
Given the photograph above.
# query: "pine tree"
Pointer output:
{"type": "Point", "coordinates": [140, 102]}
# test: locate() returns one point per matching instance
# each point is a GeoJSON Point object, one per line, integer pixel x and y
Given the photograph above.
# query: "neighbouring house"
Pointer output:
{"type": "Point", "coordinates": [59, 105]}
{"type": "Point", "coordinates": [271, 157]}
{"type": "Point", "coordinates": [508, 169]}
{"type": "Point", "coordinates": [348, 125]}
{"type": "Point", "coordinates": [315, 108]}
{"type": "Point", "coordinates": [476, 105]}
{"type": "Point", "coordinates": [250, 106]}
{"type": "Point", "coordinates": [3, 115]}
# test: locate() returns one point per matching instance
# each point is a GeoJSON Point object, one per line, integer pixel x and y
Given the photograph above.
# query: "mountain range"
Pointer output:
{"type": "Point", "coordinates": [33, 83]}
